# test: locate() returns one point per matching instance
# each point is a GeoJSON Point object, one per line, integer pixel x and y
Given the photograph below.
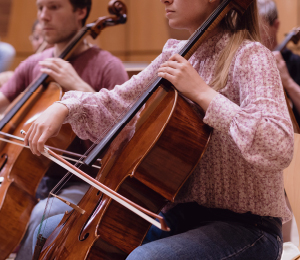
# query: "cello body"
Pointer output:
{"type": "Point", "coordinates": [22, 172]}
{"type": "Point", "coordinates": [148, 162]}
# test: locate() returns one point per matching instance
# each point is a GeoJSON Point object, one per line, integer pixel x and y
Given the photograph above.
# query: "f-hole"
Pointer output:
{"type": "Point", "coordinates": [87, 234]}
{"type": "Point", "coordinates": [3, 161]}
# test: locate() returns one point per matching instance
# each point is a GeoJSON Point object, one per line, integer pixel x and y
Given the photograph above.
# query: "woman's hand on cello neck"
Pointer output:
{"type": "Point", "coordinates": [47, 125]}
{"type": "Point", "coordinates": [186, 79]}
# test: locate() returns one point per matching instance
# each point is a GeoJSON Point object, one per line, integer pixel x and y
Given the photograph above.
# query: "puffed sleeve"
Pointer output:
{"type": "Point", "coordinates": [260, 125]}
{"type": "Point", "coordinates": [92, 114]}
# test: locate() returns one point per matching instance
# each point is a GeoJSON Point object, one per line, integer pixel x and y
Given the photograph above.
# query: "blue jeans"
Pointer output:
{"type": "Point", "coordinates": [202, 233]}
{"type": "Point", "coordinates": [72, 193]}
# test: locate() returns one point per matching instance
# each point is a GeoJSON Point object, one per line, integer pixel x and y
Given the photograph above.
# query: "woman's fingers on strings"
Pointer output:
{"type": "Point", "coordinates": [169, 70]}
{"type": "Point", "coordinates": [167, 73]}
{"type": "Point", "coordinates": [171, 64]}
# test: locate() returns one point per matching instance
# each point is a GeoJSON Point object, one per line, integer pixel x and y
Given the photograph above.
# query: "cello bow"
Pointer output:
{"type": "Point", "coordinates": [99, 235]}
{"type": "Point", "coordinates": [21, 172]}
{"type": "Point", "coordinates": [119, 16]}
{"type": "Point", "coordinates": [187, 51]}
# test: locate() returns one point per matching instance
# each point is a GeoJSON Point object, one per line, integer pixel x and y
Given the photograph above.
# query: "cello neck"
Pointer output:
{"type": "Point", "coordinates": [286, 40]}
{"type": "Point", "coordinates": [293, 35]}
{"type": "Point", "coordinates": [187, 51]}
{"type": "Point", "coordinates": [41, 80]}
{"type": "Point", "coordinates": [73, 44]}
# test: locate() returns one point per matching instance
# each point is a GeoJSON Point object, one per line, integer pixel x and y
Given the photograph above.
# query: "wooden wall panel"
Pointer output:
{"type": "Point", "coordinates": [140, 39]}
{"type": "Point", "coordinates": [5, 8]}
{"type": "Point", "coordinates": [289, 16]}
{"type": "Point", "coordinates": [22, 16]}
{"type": "Point", "coordinates": [147, 29]}
{"type": "Point", "coordinates": [144, 34]}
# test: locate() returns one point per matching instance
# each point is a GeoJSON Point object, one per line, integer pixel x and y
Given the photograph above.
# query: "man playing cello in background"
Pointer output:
{"type": "Point", "coordinates": [88, 69]}
{"type": "Point", "coordinates": [288, 65]}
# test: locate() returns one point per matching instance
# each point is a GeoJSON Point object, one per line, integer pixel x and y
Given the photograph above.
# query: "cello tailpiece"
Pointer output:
{"type": "Point", "coordinates": [38, 247]}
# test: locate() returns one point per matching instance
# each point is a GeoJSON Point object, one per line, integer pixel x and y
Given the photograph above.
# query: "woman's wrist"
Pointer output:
{"type": "Point", "coordinates": [62, 108]}
{"type": "Point", "coordinates": [204, 98]}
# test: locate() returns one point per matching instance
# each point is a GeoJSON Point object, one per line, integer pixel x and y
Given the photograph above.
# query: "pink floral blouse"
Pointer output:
{"type": "Point", "coordinates": [252, 140]}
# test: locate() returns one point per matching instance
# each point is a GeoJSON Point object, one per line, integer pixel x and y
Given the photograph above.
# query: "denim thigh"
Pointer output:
{"type": "Point", "coordinates": [218, 234]}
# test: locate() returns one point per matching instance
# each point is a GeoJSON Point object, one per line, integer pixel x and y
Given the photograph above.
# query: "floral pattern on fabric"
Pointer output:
{"type": "Point", "coordinates": [252, 140]}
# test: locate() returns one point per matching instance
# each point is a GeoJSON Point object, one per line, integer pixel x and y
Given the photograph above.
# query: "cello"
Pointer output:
{"type": "Point", "coordinates": [20, 172]}
{"type": "Point", "coordinates": [149, 167]}
{"type": "Point", "coordinates": [293, 35]}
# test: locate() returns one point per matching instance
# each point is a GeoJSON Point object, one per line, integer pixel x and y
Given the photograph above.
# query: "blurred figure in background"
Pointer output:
{"type": "Point", "coordinates": [38, 45]}
{"type": "Point", "coordinates": [7, 54]}
{"type": "Point", "coordinates": [37, 39]}
{"type": "Point", "coordinates": [288, 65]}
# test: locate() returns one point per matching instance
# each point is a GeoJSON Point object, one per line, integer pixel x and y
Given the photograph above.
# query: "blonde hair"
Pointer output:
{"type": "Point", "coordinates": [241, 27]}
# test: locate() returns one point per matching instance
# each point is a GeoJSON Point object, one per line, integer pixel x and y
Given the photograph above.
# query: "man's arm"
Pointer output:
{"type": "Point", "coordinates": [291, 87]}
{"type": "Point", "coordinates": [5, 76]}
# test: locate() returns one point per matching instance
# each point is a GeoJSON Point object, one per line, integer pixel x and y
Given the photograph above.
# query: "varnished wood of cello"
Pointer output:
{"type": "Point", "coordinates": [168, 138]}
{"type": "Point", "coordinates": [147, 161]}
{"type": "Point", "coordinates": [22, 171]}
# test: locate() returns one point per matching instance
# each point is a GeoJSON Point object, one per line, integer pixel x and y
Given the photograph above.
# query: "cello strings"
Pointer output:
{"type": "Point", "coordinates": [65, 157]}
{"type": "Point", "coordinates": [67, 177]}
{"type": "Point", "coordinates": [55, 191]}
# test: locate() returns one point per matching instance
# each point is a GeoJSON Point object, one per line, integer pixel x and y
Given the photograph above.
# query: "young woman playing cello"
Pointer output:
{"type": "Point", "coordinates": [233, 205]}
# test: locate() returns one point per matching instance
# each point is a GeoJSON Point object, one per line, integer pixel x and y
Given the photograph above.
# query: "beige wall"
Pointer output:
{"type": "Point", "coordinates": [289, 16]}
{"type": "Point", "coordinates": [141, 39]}
{"type": "Point", "coordinates": [5, 8]}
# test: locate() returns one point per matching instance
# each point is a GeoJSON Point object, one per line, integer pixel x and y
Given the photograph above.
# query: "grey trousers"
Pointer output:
{"type": "Point", "coordinates": [72, 193]}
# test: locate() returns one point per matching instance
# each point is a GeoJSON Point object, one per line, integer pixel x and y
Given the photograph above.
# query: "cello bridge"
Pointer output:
{"type": "Point", "coordinates": [72, 205]}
